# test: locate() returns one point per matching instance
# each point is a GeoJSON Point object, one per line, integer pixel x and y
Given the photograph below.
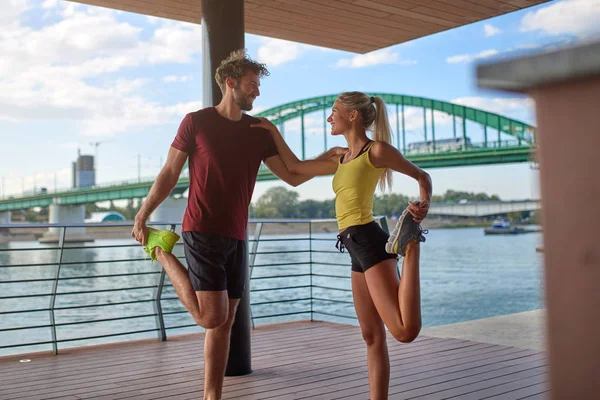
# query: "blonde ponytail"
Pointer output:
{"type": "Point", "coordinates": [382, 133]}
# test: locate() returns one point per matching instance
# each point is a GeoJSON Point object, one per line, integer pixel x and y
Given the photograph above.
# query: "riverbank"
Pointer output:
{"type": "Point", "coordinates": [281, 228]}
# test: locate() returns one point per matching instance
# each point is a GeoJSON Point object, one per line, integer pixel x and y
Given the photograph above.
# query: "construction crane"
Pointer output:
{"type": "Point", "coordinates": [95, 146]}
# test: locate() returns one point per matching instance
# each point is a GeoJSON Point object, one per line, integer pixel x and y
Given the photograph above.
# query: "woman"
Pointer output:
{"type": "Point", "coordinates": [380, 297]}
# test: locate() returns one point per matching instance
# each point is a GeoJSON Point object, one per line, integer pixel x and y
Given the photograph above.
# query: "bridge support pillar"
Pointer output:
{"type": "Point", "coordinates": [566, 88]}
{"type": "Point", "coordinates": [5, 217]}
{"type": "Point", "coordinates": [62, 214]}
{"type": "Point", "coordinates": [170, 210]}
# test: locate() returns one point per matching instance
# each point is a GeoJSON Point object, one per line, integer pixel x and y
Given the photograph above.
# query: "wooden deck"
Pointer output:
{"type": "Point", "coordinates": [290, 361]}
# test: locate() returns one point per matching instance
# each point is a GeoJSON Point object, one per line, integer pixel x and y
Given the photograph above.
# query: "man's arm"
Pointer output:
{"type": "Point", "coordinates": [162, 187]}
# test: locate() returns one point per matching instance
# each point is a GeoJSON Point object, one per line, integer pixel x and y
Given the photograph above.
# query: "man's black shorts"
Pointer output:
{"type": "Point", "coordinates": [216, 262]}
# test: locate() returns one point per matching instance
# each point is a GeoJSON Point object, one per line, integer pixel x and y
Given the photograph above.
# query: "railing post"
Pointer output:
{"type": "Point", "coordinates": [160, 321]}
{"type": "Point", "coordinates": [160, 318]}
{"type": "Point", "coordinates": [252, 258]}
{"type": "Point", "coordinates": [311, 268]}
{"type": "Point", "coordinates": [61, 244]}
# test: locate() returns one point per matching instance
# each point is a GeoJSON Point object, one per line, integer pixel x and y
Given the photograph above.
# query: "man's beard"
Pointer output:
{"type": "Point", "coordinates": [242, 101]}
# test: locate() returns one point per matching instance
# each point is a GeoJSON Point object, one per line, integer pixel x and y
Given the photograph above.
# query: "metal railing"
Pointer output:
{"type": "Point", "coordinates": [68, 293]}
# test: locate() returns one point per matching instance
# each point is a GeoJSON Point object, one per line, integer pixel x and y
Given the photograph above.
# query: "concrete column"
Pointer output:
{"type": "Point", "coordinates": [66, 214]}
{"type": "Point", "coordinates": [222, 33]}
{"type": "Point", "coordinates": [5, 217]}
{"type": "Point", "coordinates": [566, 88]}
{"type": "Point", "coordinates": [170, 210]}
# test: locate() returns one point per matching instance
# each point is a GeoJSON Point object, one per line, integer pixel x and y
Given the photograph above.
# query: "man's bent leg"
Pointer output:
{"type": "Point", "coordinates": [216, 351]}
{"type": "Point", "coordinates": [208, 310]}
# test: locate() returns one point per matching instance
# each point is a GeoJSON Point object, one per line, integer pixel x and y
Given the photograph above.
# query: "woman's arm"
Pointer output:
{"type": "Point", "coordinates": [383, 155]}
{"type": "Point", "coordinates": [326, 164]}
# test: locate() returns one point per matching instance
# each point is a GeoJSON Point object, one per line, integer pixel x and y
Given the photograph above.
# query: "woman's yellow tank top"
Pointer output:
{"type": "Point", "coordinates": [354, 184]}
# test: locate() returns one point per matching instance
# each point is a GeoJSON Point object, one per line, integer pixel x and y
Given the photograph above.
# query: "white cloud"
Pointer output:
{"type": "Point", "coordinates": [69, 145]}
{"type": "Point", "coordinates": [373, 58]}
{"type": "Point", "coordinates": [274, 52]}
{"type": "Point", "coordinates": [312, 125]}
{"type": "Point", "coordinates": [413, 119]}
{"type": "Point", "coordinates": [46, 68]}
{"type": "Point", "coordinates": [471, 57]}
{"type": "Point", "coordinates": [529, 46]}
{"type": "Point", "coordinates": [10, 14]}
{"type": "Point", "coordinates": [490, 30]}
{"type": "Point", "coordinates": [136, 113]}
{"type": "Point", "coordinates": [573, 17]}
{"type": "Point", "coordinates": [258, 110]}
{"type": "Point", "coordinates": [177, 78]}
{"type": "Point", "coordinates": [501, 105]}
{"type": "Point", "coordinates": [49, 4]}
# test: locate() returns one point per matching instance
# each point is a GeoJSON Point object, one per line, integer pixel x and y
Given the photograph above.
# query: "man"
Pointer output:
{"type": "Point", "coordinates": [224, 157]}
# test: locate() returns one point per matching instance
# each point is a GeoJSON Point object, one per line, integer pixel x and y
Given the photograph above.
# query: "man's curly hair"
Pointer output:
{"type": "Point", "coordinates": [237, 65]}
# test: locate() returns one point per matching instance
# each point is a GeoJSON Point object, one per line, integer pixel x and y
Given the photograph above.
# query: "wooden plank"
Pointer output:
{"type": "Point", "coordinates": [390, 21]}
{"type": "Point", "coordinates": [454, 8]}
{"type": "Point", "coordinates": [186, 11]}
{"type": "Point", "coordinates": [290, 361]}
{"type": "Point", "coordinates": [487, 361]}
{"type": "Point", "coordinates": [301, 25]}
{"type": "Point", "coordinates": [463, 394]}
{"type": "Point", "coordinates": [120, 362]}
{"type": "Point", "coordinates": [313, 24]}
{"type": "Point", "coordinates": [348, 16]}
{"type": "Point", "coordinates": [426, 388]}
{"type": "Point", "coordinates": [316, 381]}
{"type": "Point", "coordinates": [523, 393]}
{"type": "Point", "coordinates": [405, 13]}
{"type": "Point", "coordinates": [331, 389]}
{"type": "Point", "coordinates": [127, 375]}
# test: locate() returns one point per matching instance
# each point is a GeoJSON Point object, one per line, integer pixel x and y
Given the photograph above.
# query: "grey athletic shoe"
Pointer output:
{"type": "Point", "coordinates": [406, 229]}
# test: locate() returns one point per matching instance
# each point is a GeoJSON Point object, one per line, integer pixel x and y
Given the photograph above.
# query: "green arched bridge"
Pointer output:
{"type": "Point", "coordinates": [504, 140]}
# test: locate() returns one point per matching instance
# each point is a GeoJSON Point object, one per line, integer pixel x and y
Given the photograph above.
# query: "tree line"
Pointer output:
{"type": "Point", "coordinates": [280, 202]}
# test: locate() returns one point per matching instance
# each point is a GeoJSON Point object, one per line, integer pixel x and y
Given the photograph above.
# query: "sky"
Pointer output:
{"type": "Point", "coordinates": [116, 85]}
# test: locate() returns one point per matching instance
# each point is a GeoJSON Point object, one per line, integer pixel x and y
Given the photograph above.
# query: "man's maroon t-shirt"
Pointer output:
{"type": "Point", "coordinates": [224, 157]}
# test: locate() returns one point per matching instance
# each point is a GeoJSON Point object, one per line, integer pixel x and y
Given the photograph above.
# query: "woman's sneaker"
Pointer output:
{"type": "Point", "coordinates": [406, 229]}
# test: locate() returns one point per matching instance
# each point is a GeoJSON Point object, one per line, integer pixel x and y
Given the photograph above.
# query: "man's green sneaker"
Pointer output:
{"type": "Point", "coordinates": [162, 238]}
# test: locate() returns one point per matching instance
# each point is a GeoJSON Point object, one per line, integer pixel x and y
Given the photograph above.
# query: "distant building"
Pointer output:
{"type": "Point", "coordinates": [84, 173]}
